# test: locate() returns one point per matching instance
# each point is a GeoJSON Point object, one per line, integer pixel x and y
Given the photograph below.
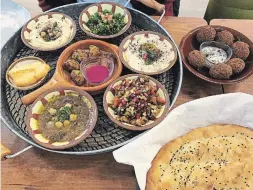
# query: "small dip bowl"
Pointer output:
{"type": "Point", "coordinates": [216, 51]}
{"type": "Point", "coordinates": [22, 61]}
{"type": "Point", "coordinates": [38, 108]}
{"type": "Point", "coordinates": [109, 96]}
{"type": "Point", "coordinates": [96, 73]}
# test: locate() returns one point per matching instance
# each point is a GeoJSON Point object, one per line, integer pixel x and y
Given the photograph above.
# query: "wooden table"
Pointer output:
{"type": "Point", "coordinates": [37, 169]}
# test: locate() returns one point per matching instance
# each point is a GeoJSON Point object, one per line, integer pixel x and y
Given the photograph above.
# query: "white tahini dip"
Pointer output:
{"type": "Point", "coordinates": [215, 54]}
{"type": "Point", "coordinates": [36, 27]}
{"type": "Point", "coordinates": [135, 60]}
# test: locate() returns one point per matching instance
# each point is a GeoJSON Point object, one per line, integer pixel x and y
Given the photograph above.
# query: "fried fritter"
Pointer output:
{"type": "Point", "coordinates": [221, 71]}
{"type": "Point", "coordinates": [241, 50]}
{"type": "Point", "coordinates": [196, 59]}
{"type": "Point", "coordinates": [77, 77]}
{"type": "Point", "coordinates": [237, 65]}
{"type": "Point", "coordinates": [206, 33]}
{"type": "Point", "coordinates": [225, 37]}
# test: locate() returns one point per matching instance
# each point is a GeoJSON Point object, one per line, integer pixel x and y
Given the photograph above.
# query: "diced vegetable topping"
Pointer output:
{"type": "Point", "coordinates": [150, 53]}
{"type": "Point", "coordinates": [136, 101]}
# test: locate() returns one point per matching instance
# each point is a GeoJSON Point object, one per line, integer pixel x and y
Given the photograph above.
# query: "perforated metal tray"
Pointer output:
{"type": "Point", "coordinates": [106, 135]}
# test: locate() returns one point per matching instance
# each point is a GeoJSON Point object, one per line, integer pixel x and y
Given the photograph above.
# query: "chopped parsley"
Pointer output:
{"type": "Point", "coordinates": [106, 23]}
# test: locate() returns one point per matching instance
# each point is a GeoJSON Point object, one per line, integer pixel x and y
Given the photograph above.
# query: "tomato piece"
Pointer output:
{"type": "Point", "coordinates": [153, 91]}
{"type": "Point", "coordinates": [145, 56]}
{"type": "Point", "coordinates": [137, 92]}
{"type": "Point", "coordinates": [138, 115]}
{"type": "Point", "coordinates": [123, 102]}
{"type": "Point", "coordinates": [160, 100]}
{"type": "Point", "coordinates": [153, 99]}
{"type": "Point", "coordinates": [116, 102]}
{"type": "Point", "coordinates": [117, 87]}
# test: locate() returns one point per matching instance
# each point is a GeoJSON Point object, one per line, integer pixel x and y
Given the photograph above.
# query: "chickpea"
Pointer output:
{"type": "Point", "coordinates": [50, 124]}
{"type": "Point", "coordinates": [68, 105]}
{"type": "Point", "coordinates": [58, 124]}
{"type": "Point", "coordinates": [54, 119]}
{"type": "Point", "coordinates": [58, 34]}
{"type": "Point", "coordinates": [50, 34]}
{"type": "Point", "coordinates": [43, 34]}
{"type": "Point", "coordinates": [66, 123]}
{"type": "Point", "coordinates": [52, 111]}
{"type": "Point", "coordinates": [73, 117]}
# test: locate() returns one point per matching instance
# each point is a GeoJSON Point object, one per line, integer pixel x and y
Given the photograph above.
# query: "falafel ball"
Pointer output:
{"type": "Point", "coordinates": [206, 33]}
{"type": "Point", "coordinates": [196, 59]}
{"type": "Point", "coordinates": [240, 50]}
{"type": "Point", "coordinates": [237, 65]}
{"type": "Point", "coordinates": [221, 71]}
{"type": "Point", "coordinates": [80, 55]}
{"type": "Point", "coordinates": [225, 37]}
{"type": "Point", "coordinates": [77, 77]}
{"type": "Point", "coordinates": [71, 64]}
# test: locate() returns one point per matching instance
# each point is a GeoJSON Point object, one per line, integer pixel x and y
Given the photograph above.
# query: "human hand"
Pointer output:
{"type": "Point", "coordinates": [160, 8]}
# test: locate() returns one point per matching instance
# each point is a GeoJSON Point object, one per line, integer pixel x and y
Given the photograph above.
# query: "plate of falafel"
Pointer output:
{"type": "Point", "coordinates": [217, 54]}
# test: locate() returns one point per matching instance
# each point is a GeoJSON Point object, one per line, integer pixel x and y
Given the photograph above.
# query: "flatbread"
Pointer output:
{"type": "Point", "coordinates": [217, 157]}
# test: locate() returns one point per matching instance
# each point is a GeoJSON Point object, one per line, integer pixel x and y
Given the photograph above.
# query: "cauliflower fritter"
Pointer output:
{"type": "Point", "coordinates": [77, 77]}
{"type": "Point", "coordinates": [80, 55]}
{"type": "Point", "coordinates": [71, 64]}
{"type": "Point", "coordinates": [94, 50]}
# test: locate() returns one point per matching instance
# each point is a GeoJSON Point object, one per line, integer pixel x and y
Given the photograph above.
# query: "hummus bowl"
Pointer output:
{"type": "Point", "coordinates": [61, 118]}
{"type": "Point", "coordinates": [49, 31]}
{"type": "Point", "coordinates": [148, 53]}
{"type": "Point", "coordinates": [101, 14]}
{"type": "Point", "coordinates": [136, 102]}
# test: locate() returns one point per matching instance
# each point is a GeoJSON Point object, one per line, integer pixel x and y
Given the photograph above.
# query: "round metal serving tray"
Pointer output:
{"type": "Point", "coordinates": [106, 135]}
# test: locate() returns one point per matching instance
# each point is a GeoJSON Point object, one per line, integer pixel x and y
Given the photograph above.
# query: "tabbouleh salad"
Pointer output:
{"type": "Point", "coordinates": [106, 23]}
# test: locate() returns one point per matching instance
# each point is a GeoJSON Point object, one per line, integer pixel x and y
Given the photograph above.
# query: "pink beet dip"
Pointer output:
{"type": "Point", "coordinates": [97, 73]}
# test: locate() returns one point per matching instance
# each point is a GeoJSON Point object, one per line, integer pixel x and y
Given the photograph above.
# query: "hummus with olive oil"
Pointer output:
{"type": "Point", "coordinates": [134, 60]}
{"type": "Point", "coordinates": [35, 38]}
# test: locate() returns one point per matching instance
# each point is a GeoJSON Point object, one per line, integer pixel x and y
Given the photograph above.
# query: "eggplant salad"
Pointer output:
{"type": "Point", "coordinates": [136, 101]}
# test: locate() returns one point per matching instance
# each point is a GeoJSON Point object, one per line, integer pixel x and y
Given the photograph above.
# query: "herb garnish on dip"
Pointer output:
{"type": "Point", "coordinates": [49, 31]}
{"type": "Point", "coordinates": [149, 52]}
